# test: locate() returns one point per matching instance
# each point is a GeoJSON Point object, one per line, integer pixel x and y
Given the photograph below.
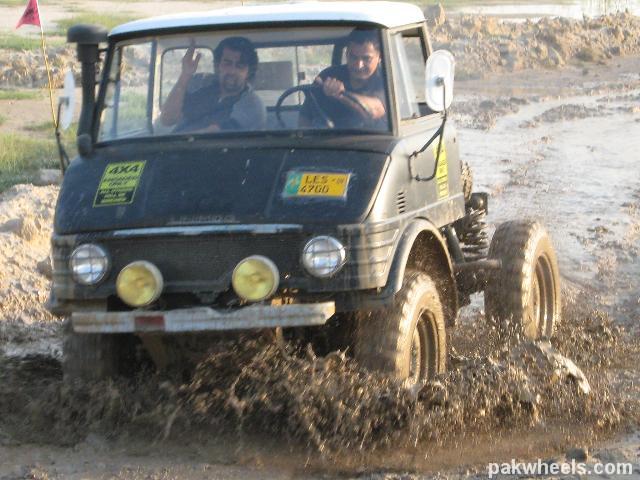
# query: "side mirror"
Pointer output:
{"type": "Point", "coordinates": [440, 70]}
{"type": "Point", "coordinates": [67, 101]}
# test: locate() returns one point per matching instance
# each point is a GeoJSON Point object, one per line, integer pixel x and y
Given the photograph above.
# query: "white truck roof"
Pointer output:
{"type": "Point", "coordinates": [385, 14]}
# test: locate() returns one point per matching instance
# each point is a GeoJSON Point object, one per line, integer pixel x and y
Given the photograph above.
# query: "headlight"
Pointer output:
{"type": "Point", "coordinates": [89, 264]}
{"type": "Point", "coordinates": [255, 278]}
{"type": "Point", "coordinates": [323, 256]}
{"type": "Point", "coordinates": [139, 284]}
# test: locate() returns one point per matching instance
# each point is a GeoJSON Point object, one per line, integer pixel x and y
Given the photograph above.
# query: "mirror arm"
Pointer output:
{"type": "Point", "coordinates": [64, 158]}
{"type": "Point", "coordinates": [439, 134]}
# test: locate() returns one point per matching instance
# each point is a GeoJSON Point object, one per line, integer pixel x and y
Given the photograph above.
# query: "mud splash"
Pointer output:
{"type": "Point", "coordinates": [254, 386]}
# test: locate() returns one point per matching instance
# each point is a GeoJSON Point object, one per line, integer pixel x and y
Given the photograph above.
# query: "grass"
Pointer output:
{"type": "Point", "coordinates": [2, 119]}
{"type": "Point", "coordinates": [20, 94]}
{"type": "Point", "coordinates": [12, 3]}
{"type": "Point", "coordinates": [22, 42]}
{"type": "Point", "coordinates": [21, 156]}
{"type": "Point", "coordinates": [19, 42]}
{"type": "Point", "coordinates": [107, 20]}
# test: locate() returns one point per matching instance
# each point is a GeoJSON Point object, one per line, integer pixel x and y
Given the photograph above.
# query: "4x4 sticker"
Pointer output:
{"type": "Point", "coordinates": [442, 174]}
{"type": "Point", "coordinates": [118, 184]}
{"type": "Point", "coordinates": [316, 184]}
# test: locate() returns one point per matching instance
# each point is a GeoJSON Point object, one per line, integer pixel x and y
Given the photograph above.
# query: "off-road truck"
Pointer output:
{"type": "Point", "coordinates": [370, 236]}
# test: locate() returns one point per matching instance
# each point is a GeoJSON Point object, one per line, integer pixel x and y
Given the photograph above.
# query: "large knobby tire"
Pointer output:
{"type": "Point", "coordinates": [93, 356]}
{"type": "Point", "coordinates": [407, 340]}
{"type": "Point", "coordinates": [467, 181]}
{"type": "Point", "coordinates": [524, 295]}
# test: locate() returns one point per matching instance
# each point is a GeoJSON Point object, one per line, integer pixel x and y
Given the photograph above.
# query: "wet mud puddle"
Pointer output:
{"type": "Point", "coordinates": [572, 161]}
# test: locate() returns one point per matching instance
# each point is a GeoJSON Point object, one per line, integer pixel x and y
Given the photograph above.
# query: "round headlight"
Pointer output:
{"type": "Point", "coordinates": [139, 284]}
{"type": "Point", "coordinates": [255, 278]}
{"type": "Point", "coordinates": [323, 256]}
{"type": "Point", "coordinates": [89, 264]}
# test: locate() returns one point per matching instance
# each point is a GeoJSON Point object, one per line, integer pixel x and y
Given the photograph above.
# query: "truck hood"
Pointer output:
{"type": "Point", "coordinates": [196, 183]}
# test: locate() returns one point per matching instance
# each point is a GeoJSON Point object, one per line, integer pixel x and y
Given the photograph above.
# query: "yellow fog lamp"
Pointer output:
{"type": "Point", "coordinates": [255, 278]}
{"type": "Point", "coordinates": [139, 284]}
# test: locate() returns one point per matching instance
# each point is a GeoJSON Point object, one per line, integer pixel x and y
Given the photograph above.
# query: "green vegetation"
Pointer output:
{"type": "Point", "coordinates": [2, 119]}
{"type": "Point", "coordinates": [20, 94]}
{"type": "Point", "coordinates": [32, 42]}
{"type": "Point", "coordinates": [12, 3]}
{"type": "Point", "coordinates": [106, 20]}
{"type": "Point", "coordinates": [21, 156]}
{"type": "Point", "coordinates": [19, 42]}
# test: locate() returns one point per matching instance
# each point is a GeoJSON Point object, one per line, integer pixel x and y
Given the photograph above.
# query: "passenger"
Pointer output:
{"type": "Point", "coordinates": [226, 101]}
{"type": "Point", "coordinates": [360, 79]}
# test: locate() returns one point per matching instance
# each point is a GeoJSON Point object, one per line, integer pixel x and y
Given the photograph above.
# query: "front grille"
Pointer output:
{"type": "Point", "coordinates": [205, 263]}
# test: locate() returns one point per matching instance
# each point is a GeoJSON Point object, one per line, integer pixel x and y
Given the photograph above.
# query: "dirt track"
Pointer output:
{"type": "Point", "coordinates": [560, 145]}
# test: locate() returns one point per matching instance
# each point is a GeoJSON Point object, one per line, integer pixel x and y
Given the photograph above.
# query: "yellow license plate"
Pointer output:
{"type": "Point", "coordinates": [316, 184]}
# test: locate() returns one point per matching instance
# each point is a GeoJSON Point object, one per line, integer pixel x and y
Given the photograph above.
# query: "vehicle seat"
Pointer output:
{"type": "Point", "coordinates": [273, 78]}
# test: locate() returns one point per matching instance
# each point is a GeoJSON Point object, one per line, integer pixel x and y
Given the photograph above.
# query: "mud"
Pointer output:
{"type": "Point", "coordinates": [254, 387]}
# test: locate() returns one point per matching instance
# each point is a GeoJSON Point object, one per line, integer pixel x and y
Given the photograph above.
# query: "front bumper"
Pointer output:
{"type": "Point", "coordinates": [203, 319]}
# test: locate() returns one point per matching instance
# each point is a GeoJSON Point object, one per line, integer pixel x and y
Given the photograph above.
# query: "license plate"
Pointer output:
{"type": "Point", "coordinates": [316, 184]}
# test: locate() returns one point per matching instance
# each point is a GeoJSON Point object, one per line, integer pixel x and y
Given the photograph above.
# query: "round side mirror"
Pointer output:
{"type": "Point", "coordinates": [67, 101]}
{"type": "Point", "coordinates": [440, 70]}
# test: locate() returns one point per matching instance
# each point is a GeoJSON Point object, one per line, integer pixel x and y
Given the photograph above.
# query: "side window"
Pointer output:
{"type": "Point", "coordinates": [126, 105]}
{"type": "Point", "coordinates": [171, 67]}
{"type": "Point", "coordinates": [409, 60]}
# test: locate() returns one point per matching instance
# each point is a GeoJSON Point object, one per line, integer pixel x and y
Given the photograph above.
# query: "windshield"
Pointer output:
{"type": "Point", "coordinates": [312, 78]}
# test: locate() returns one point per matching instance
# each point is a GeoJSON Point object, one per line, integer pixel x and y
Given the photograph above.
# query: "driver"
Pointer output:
{"type": "Point", "coordinates": [226, 101]}
{"type": "Point", "coordinates": [352, 95]}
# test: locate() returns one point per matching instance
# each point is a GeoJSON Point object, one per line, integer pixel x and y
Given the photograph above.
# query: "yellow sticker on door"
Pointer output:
{"type": "Point", "coordinates": [118, 184]}
{"type": "Point", "coordinates": [442, 173]}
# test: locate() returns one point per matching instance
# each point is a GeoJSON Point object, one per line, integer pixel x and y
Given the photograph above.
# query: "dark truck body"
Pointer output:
{"type": "Point", "coordinates": [201, 207]}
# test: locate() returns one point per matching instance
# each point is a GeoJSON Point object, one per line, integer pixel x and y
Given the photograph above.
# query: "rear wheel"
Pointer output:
{"type": "Point", "coordinates": [408, 339]}
{"type": "Point", "coordinates": [524, 295]}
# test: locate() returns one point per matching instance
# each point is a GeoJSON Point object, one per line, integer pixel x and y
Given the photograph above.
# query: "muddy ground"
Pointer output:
{"type": "Point", "coordinates": [556, 144]}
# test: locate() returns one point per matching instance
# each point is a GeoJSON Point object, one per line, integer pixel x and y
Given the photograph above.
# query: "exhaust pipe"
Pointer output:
{"type": "Point", "coordinates": [88, 38]}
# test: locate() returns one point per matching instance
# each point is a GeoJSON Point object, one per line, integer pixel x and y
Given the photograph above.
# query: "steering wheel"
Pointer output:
{"type": "Point", "coordinates": [310, 91]}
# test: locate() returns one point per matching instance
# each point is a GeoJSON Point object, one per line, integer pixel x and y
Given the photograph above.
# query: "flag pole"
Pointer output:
{"type": "Point", "coordinates": [46, 63]}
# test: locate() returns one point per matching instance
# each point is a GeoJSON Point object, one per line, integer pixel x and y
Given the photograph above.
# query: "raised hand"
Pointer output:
{"type": "Point", "coordinates": [189, 63]}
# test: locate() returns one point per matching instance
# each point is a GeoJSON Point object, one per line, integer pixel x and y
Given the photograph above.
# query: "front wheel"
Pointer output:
{"type": "Point", "coordinates": [96, 356]}
{"type": "Point", "coordinates": [524, 295]}
{"type": "Point", "coordinates": [408, 339]}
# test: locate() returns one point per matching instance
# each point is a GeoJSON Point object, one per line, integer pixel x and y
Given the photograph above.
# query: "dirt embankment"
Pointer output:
{"type": "Point", "coordinates": [26, 218]}
{"type": "Point", "coordinates": [480, 45]}
{"type": "Point", "coordinates": [483, 44]}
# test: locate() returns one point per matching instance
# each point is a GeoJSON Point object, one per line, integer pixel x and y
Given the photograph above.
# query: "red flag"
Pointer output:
{"type": "Point", "coordinates": [31, 16]}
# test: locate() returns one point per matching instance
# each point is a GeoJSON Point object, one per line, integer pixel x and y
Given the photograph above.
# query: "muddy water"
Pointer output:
{"type": "Point", "coordinates": [572, 161]}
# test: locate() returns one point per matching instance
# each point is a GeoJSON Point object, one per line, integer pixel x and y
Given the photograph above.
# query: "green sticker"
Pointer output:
{"type": "Point", "coordinates": [292, 184]}
{"type": "Point", "coordinates": [118, 184]}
